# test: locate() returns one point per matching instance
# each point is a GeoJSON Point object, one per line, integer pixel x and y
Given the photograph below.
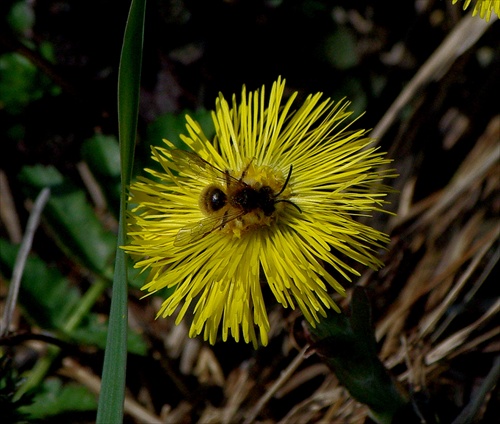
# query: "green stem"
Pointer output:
{"type": "Point", "coordinates": [86, 304]}
{"type": "Point", "coordinates": [42, 367]}
{"type": "Point", "coordinates": [346, 343]}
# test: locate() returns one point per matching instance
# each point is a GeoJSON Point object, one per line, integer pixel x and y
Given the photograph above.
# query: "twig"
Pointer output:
{"type": "Point", "coordinates": [469, 413]}
{"type": "Point", "coordinates": [450, 344]}
{"type": "Point", "coordinates": [21, 258]}
{"type": "Point", "coordinates": [463, 36]}
{"type": "Point", "coordinates": [78, 373]}
{"type": "Point", "coordinates": [285, 375]}
{"type": "Point", "coordinates": [8, 211]}
{"type": "Point", "coordinates": [429, 322]}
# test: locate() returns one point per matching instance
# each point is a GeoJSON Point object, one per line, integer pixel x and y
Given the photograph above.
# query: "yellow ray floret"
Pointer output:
{"type": "Point", "coordinates": [483, 7]}
{"type": "Point", "coordinates": [267, 205]}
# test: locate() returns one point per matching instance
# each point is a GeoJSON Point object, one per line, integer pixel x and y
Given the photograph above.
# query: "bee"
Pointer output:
{"type": "Point", "coordinates": [227, 200]}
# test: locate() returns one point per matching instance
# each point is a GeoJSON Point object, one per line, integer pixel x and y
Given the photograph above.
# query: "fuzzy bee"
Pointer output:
{"type": "Point", "coordinates": [227, 199]}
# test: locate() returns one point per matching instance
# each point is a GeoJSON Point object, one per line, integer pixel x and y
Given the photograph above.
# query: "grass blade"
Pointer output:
{"type": "Point", "coordinates": [110, 409]}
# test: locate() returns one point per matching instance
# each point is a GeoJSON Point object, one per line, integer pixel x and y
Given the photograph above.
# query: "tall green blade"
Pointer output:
{"type": "Point", "coordinates": [111, 399]}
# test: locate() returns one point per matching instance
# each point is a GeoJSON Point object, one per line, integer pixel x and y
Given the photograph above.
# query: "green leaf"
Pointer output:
{"type": "Point", "coordinates": [54, 398]}
{"type": "Point", "coordinates": [341, 49]}
{"type": "Point", "coordinates": [352, 88]}
{"type": "Point", "coordinates": [171, 125]}
{"type": "Point", "coordinates": [94, 332]}
{"type": "Point", "coordinates": [112, 394]}
{"type": "Point", "coordinates": [347, 345]}
{"type": "Point", "coordinates": [50, 301]}
{"type": "Point", "coordinates": [45, 294]}
{"type": "Point", "coordinates": [10, 381]}
{"type": "Point", "coordinates": [17, 82]}
{"type": "Point", "coordinates": [102, 155]}
{"type": "Point", "coordinates": [21, 82]}
{"type": "Point", "coordinates": [72, 221]}
{"type": "Point", "coordinates": [21, 17]}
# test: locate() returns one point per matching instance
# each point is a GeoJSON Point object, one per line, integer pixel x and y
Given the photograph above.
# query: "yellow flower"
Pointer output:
{"type": "Point", "coordinates": [484, 7]}
{"type": "Point", "coordinates": [266, 205]}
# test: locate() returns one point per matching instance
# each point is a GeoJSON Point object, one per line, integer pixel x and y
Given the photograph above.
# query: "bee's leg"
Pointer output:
{"type": "Point", "coordinates": [224, 220]}
{"type": "Point", "coordinates": [246, 169]}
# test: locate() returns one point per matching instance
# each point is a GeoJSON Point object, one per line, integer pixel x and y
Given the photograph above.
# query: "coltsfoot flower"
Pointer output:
{"type": "Point", "coordinates": [483, 7]}
{"type": "Point", "coordinates": [267, 204]}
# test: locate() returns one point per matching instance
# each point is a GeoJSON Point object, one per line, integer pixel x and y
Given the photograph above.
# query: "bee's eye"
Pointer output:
{"type": "Point", "coordinates": [217, 199]}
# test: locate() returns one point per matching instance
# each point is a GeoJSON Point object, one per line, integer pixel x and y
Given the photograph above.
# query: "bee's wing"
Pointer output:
{"type": "Point", "coordinates": [200, 229]}
{"type": "Point", "coordinates": [190, 162]}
